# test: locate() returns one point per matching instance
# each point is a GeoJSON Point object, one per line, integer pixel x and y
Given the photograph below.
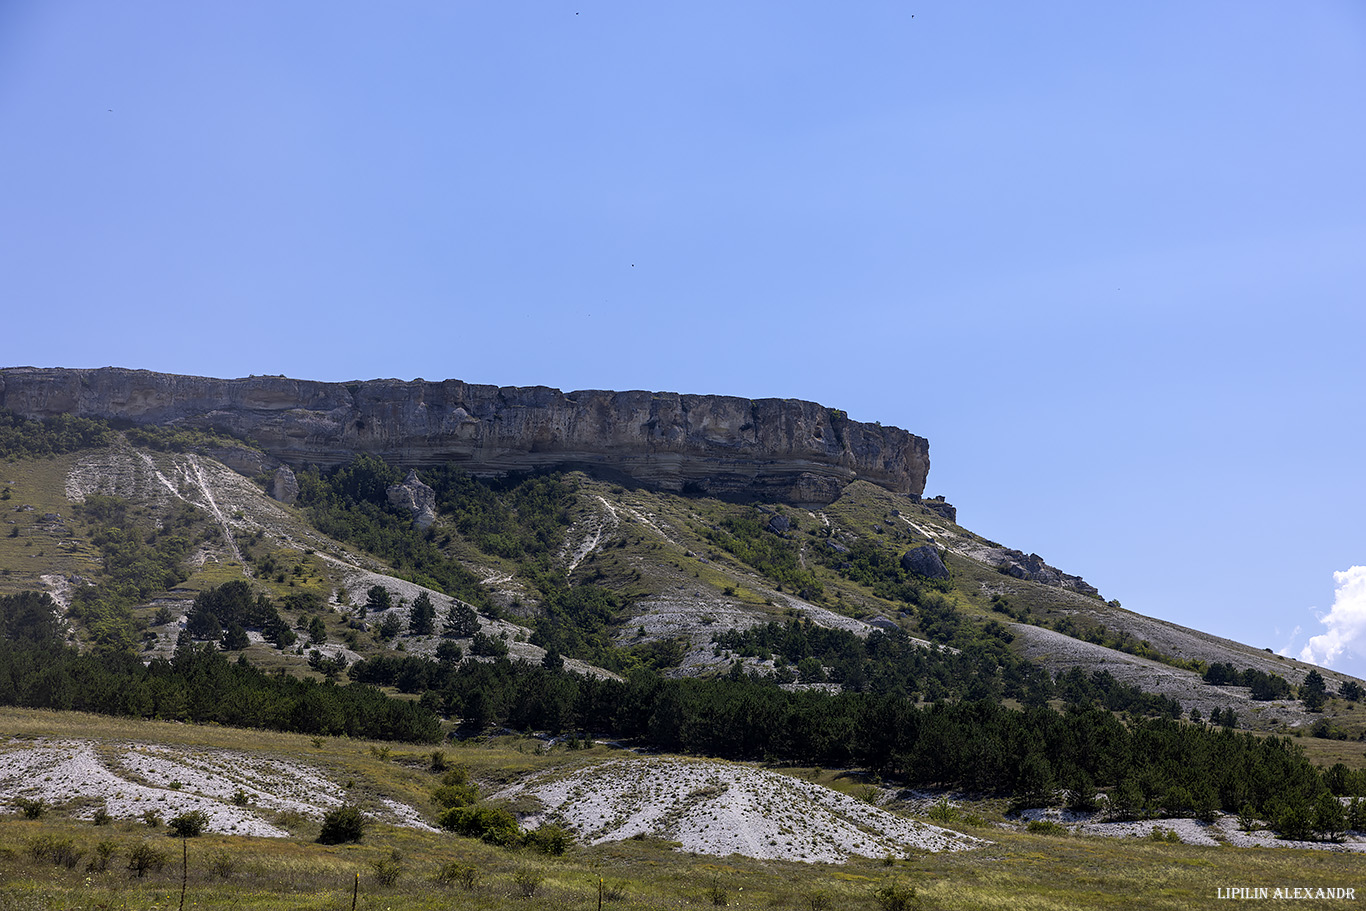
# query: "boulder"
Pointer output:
{"type": "Point", "coordinates": [925, 561]}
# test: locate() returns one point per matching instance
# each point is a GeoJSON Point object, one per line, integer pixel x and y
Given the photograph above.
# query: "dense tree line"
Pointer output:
{"type": "Point", "coordinates": [229, 610]}
{"type": "Point", "coordinates": [1264, 686]}
{"type": "Point", "coordinates": [29, 617]}
{"type": "Point", "coordinates": [1152, 766]}
{"type": "Point", "coordinates": [878, 569]}
{"type": "Point", "coordinates": [578, 621]}
{"type": "Point", "coordinates": [890, 662]}
{"type": "Point", "coordinates": [199, 684]}
{"type": "Point", "coordinates": [520, 519]}
{"type": "Point", "coordinates": [745, 535]}
{"type": "Point", "coordinates": [26, 438]}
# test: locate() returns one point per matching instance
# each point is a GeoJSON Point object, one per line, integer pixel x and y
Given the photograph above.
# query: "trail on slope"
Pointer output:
{"type": "Point", "coordinates": [213, 508]}
{"type": "Point", "coordinates": [601, 527]}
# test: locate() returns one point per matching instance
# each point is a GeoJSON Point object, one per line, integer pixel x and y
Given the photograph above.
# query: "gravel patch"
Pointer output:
{"type": "Point", "coordinates": [1223, 831]}
{"type": "Point", "coordinates": [719, 808]}
{"type": "Point", "coordinates": [131, 780]}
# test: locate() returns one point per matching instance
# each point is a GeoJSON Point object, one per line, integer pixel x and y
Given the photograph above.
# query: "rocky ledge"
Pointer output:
{"type": "Point", "coordinates": [774, 449]}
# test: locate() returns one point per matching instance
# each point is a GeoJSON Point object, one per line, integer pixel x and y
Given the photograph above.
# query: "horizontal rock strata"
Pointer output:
{"type": "Point", "coordinates": [778, 449]}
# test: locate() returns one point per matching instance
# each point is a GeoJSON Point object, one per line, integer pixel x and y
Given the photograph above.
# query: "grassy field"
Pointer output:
{"type": "Point", "coordinates": [1020, 870]}
{"type": "Point", "coordinates": [31, 547]}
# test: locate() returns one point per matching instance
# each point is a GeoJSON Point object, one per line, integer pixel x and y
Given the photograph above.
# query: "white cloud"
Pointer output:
{"type": "Point", "coordinates": [1346, 622]}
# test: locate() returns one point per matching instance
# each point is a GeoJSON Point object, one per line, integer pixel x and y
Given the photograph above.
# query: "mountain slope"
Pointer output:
{"type": "Point", "coordinates": [823, 529]}
{"type": "Point", "coordinates": [658, 550]}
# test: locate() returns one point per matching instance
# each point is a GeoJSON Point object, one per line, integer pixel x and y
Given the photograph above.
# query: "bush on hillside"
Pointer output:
{"type": "Point", "coordinates": [342, 825]}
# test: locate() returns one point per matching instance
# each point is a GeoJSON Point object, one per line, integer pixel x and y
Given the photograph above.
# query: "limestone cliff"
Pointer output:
{"type": "Point", "coordinates": [780, 449]}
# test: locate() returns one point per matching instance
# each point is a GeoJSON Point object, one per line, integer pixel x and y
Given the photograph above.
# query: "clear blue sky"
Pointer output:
{"type": "Point", "coordinates": [1109, 258]}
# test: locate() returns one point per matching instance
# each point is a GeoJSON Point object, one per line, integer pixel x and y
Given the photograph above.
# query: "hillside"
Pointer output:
{"type": "Point", "coordinates": [659, 550]}
{"type": "Point", "coordinates": [395, 601]}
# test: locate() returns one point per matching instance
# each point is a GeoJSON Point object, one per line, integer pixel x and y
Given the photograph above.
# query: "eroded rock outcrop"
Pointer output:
{"type": "Point", "coordinates": [778, 449]}
{"type": "Point", "coordinates": [1031, 566]}
{"type": "Point", "coordinates": [285, 487]}
{"type": "Point", "coordinates": [416, 498]}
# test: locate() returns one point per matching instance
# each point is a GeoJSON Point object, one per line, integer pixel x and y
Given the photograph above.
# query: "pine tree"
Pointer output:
{"type": "Point", "coordinates": [378, 598]}
{"type": "Point", "coordinates": [422, 616]}
{"type": "Point", "coordinates": [552, 660]}
{"type": "Point", "coordinates": [235, 638]}
{"type": "Point", "coordinates": [390, 628]}
{"type": "Point", "coordinates": [1314, 691]}
{"type": "Point", "coordinates": [461, 622]}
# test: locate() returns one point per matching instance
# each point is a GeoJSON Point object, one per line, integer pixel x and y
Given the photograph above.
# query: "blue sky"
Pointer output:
{"type": "Point", "coordinates": [1109, 258]}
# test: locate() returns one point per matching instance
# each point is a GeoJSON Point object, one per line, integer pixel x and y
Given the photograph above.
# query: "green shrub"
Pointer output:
{"type": "Point", "coordinates": [144, 857]}
{"type": "Point", "coordinates": [527, 881]}
{"type": "Point", "coordinates": [189, 825]}
{"type": "Point", "coordinates": [491, 824]}
{"type": "Point", "coordinates": [449, 796]}
{"type": "Point", "coordinates": [818, 900]}
{"type": "Point", "coordinates": [222, 864]}
{"type": "Point", "coordinates": [342, 825]}
{"type": "Point", "coordinates": [31, 809]}
{"type": "Point", "coordinates": [1045, 827]}
{"type": "Point", "coordinates": [456, 872]}
{"type": "Point", "coordinates": [944, 812]}
{"type": "Point", "coordinates": [550, 839]}
{"type": "Point", "coordinates": [59, 851]}
{"type": "Point", "coordinates": [895, 895]}
{"type": "Point", "coordinates": [455, 789]}
{"type": "Point", "coordinates": [104, 852]}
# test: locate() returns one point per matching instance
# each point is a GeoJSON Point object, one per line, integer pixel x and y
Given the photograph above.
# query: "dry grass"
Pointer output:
{"type": "Point", "coordinates": [1351, 753]}
{"type": "Point", "coordinates": [1023, 872]}
{"type": "Point", "coordinates": [1020, 871]}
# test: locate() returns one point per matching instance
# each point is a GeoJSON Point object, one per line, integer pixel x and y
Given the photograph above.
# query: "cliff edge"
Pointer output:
{"type": "Point", "coordinates": [776, 449]}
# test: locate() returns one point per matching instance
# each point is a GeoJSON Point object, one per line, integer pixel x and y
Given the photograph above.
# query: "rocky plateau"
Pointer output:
{"type": "Point", "coordinates": [773, 449]}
